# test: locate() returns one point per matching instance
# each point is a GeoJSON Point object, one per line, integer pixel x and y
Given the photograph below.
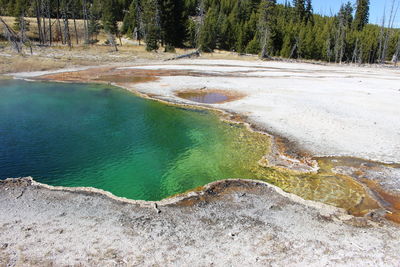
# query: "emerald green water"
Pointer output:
{"type": "Point", "coordinates": [108, 138]}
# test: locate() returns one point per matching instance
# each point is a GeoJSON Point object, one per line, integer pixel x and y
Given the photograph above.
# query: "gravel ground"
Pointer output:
{"type": "Point", "coordinates": [230, 223]}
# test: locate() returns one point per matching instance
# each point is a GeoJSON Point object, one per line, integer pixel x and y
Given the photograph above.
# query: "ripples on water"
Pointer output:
{"type": "Point", "coordinates": [108, 138]}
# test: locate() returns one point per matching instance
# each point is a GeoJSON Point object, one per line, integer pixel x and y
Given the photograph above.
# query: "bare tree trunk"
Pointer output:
{"type": "Point", "coordinates": [111, 39]}
{"type": "Point", "coordinates": [49, 18]}
{"type": "Point", "coordinates": [328, 49]}
{"type": "Point", "coordinates": [339, 42]}
{"type": "Point", "coordinates": [355, 53]}
{"type": "Point", "coordinates": [360, 59]}
{"type": "Point", "coordinates": [59, 23]}
{"type": "Point", "coordinates": [381, 36]}
{"type": "Point", "coordinates": [264, 42]}
{"type": "Point", "coordinates": [76, 31]}
{"type": "Point", "coordinates": [43, 12]}
{"type": "Point", "coordinates": [388, 31]}
{"type": "Point", "coordinates": [295, 46]}
{"type": "Point", "coordinates": [201, 14]}
{"type": "Point", "coordinates": [38, 19]}
{"type": "Point", "coordinates": [397, 53]}
{"type": "Point", "coordinates": [67, 35]}
{"type": "Point", "coordinates": [85, 21]}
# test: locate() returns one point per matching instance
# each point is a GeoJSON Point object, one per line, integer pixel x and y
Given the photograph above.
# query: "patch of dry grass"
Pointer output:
{"type": "Point", "coordinates": [23, 64]}
{"type": "Point", "coordinates": [61, 56]}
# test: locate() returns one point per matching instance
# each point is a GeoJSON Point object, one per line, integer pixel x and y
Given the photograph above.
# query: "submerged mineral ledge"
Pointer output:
{"type": "Point", "coordinates": [256, 224]}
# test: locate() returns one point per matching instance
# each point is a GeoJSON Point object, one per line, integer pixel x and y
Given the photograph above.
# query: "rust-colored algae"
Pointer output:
{"type": "Point", "coordinates": [388, 198]}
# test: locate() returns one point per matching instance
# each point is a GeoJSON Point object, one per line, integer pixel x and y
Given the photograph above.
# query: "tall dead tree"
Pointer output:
{"type": "Point", "coordinates": [85, 22]}
{"type": "Point", "coordinates": [22, 33]}
{"type": "Point", "coordinates": [43, 7]}
{"type": "Point", "coordinates": [75, 29]}
{"type": "Point", "coordinates": [396, 55]}
{"type": "Point", "coordinates": [354, 58]}
{"type": "Point", "coordinates": [340, 40]}
{"type": "Point", "coordinates": [65, 15]}
{"type": "Point", "coordinates": [140, 28]}
{"type": "Point", "coordinates": [201, 13]}
{"type": "Point", "coordinates": [386, 32]}
{"type": "Point", "coordinates": [39, 21]}
{"type": "Point", "coordinates": [11, 36]}
{"type": "Point", "coordinates": [58, 14]}
{"type": "Point", "coordinates": [49, 21]}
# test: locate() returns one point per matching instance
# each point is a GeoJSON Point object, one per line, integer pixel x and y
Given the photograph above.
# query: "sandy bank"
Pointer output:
{"type": "Point", "coordinates": [232, 223]}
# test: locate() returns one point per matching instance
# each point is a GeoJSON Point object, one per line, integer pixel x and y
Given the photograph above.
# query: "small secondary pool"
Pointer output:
{"type": "Point", "coordinates": [206, 97]}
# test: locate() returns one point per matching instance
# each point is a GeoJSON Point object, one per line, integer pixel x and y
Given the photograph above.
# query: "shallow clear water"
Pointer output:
{"type": "Point", "coordinates": [108, 138]}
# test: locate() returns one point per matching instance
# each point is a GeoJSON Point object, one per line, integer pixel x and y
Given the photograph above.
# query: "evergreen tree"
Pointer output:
{"type": "Point", "coordinates": [109, 16]}
{"type": "Point", "coordinates": [208, 32]}
{"type": "Point", "coordinates": [109, 19]}
{"type": "Point", "coordinates": [346, 11]}
{"type": "Point", "coordinates": [300, 9]}
{"type": "Point", "coordinates": [262, 27]}
{"type": "Point", "coordinates": [308, 11]}
{"type": "Point", "coordinates": [20, 11]}
{"type": "Point", "coordinates": [362, 14]}
{"type": "Point", "coordinates": [133, 23]}
{"type": "Point", "coordinates": [173, 23]}
{"type": "Point", "coordinates": [152, 24]}
{"type": "Point", "coordinates": [266, 26]}
{"type": "Point", "coordinates": [94, 26]}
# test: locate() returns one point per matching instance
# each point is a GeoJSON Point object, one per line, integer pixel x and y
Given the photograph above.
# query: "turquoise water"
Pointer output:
{"type": "Point", "coordinates": [108, 138]}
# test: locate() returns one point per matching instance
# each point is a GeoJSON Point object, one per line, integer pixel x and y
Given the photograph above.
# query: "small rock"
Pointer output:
{"type": "Point", "coordinates": [4, 246]}
{"type": "Point", "coordinates": [155, 206]}
{"type": "Point", "coordinates": [275, 207]}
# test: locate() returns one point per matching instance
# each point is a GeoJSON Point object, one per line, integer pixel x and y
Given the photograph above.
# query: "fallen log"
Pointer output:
{"type": "Point", "coordinates": [190, 55]}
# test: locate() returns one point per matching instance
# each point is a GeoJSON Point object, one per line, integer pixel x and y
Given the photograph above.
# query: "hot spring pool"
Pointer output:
{"type": "Point", "coordinates": [108, 138]}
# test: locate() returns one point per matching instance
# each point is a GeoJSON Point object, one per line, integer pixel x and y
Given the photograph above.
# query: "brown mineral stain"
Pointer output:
{"type": "Point", "coordinates": [209, 96]}
{"type": "Point", "coordinates": [394, 217]}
